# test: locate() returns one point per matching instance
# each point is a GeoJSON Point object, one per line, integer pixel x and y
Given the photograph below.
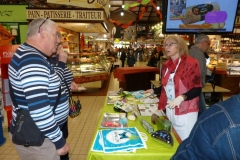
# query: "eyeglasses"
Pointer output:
{"type": "Point", "coordinates": [42, 24]}
{"type": "Point", "coordinates": [169, 44]}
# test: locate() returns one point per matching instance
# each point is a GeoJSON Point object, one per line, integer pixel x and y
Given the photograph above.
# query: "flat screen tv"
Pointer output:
{"type": "Point", "coordinates": [199, 16]}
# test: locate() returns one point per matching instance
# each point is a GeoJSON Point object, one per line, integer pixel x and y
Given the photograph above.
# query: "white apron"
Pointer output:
{"type": "Point", "coordinates": [183, 124]}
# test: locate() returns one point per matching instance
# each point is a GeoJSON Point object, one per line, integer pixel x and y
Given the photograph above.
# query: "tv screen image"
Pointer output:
{"type": "Point", "coordinates": [199, 16]}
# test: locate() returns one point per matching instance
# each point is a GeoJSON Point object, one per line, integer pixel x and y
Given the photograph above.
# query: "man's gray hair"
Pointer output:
{"type": "Point", "coordinates": [201, 37]}
{"type": "Point", "coordinates": [35, 24]}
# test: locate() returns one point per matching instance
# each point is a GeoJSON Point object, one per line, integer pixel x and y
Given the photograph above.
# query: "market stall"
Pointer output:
{"type": "Point", "coordinates": [155, 149]}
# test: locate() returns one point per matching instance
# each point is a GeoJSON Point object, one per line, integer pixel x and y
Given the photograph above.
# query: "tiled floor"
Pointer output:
{"type": "Point", "coordinates": [81, 128]}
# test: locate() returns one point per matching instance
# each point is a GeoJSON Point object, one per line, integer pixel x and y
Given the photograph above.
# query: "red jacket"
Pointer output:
{"type": "Point", "coordinates": [186, 77]}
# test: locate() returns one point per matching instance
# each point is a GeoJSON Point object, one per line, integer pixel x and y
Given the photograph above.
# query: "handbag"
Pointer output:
{"type": "Point", "coordinates": [26, 132]}
{"type": "Point", "coordinates": [74, 106]}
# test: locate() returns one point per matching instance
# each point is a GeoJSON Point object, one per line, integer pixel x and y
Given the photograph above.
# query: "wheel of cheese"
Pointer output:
{"type": "Point", "coordinates": [131, 117]}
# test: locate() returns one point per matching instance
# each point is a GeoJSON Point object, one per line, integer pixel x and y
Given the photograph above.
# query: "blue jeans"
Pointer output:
{"type": "Point", "coordinates": [215, 136]}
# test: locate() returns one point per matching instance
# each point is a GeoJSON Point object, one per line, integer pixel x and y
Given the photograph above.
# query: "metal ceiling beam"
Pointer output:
{"type": "Point", "coordinates": [139, 8]}
{"type": "Point", "coordinates": [116, 10]}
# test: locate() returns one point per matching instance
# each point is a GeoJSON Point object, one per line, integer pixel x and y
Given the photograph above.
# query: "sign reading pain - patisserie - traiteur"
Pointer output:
{"type": "Point", "coordinates": [66, 14]}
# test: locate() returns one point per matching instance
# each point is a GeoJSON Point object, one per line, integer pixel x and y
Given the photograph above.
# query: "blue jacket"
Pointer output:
{"type": "Point", "coordinates": [216, 134]}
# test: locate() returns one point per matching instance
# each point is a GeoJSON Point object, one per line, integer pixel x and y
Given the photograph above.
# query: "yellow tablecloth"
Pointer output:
{"type": "Point", "coordinates": [155, 150]}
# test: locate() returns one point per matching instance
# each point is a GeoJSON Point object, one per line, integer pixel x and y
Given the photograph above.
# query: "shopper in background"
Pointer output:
{"type": "Point", "coordinates": [116, 50]}
{"type": "Point", "coordinates": [197, 51]}
{"type": "Point", "coordinates": [159, 48]}
{"type": "Point", "coordinates": [68, 78]}
{"type": "Point", "coordinates": [152, 61]}
{"type": "Point", "coordinates": [140, 53]}
{"type": "Point", "coordinates": [35, 86]}
{"type": "Point", "coordinates": [181, 86]}
{"type": "Point", "coordinates": [131, 59]}
{"type": "Point", "coordinates": [123, 56]}
{"type": "Point", "coordinates": [215, 135]}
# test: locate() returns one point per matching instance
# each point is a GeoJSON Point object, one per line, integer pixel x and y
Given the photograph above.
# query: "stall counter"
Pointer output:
{"type": "Point", "coordinates": [120, 72]}
{"type": "Point", "coordinates": [135, 78]}
{"type": "Point", "coordinates": [155, 149]}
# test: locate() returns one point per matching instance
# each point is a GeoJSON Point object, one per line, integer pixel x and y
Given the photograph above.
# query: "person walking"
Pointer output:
{"type": "Point", "coordinates": [152, 62]}
{"type": "Point", "coordinates": [35, 85]}
{"type": "Point", "coordinates": [131, 59]}
{"type": "Point", "coordinates": [123, 56]}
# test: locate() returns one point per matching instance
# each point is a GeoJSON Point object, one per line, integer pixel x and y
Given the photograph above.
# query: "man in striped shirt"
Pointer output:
{"type": "Point", "coordinates": [35, 86]}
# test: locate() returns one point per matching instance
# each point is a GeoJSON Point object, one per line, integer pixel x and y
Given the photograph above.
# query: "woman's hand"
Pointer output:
{"type": "Point", "coordinates": [151, 91]}
{"type": "Point", "coordinates": [175, 102]}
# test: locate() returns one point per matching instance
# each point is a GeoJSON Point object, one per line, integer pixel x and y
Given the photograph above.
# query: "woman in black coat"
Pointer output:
{"type": "Point", "coordinates": [152, 62]}
{"type": "Point", "coordinates": [123, 57]}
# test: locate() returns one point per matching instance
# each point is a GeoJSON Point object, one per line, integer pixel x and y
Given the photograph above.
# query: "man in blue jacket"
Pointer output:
{"type": "Point", "coordinates": [216, 134]}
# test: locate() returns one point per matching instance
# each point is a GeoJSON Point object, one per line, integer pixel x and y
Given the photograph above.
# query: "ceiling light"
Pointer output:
{"type": "Point", "coordinates": [123, 6]}
{"type": "Point", "coordinates": [109, 5]}
{"type": "Point", "coordinates": [158, 4]}
{"type": "Point", "coordinates": [122, 13]}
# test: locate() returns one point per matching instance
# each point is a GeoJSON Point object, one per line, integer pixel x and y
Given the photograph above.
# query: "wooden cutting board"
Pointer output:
{"type": "Point", "coordinates": [195, 26]}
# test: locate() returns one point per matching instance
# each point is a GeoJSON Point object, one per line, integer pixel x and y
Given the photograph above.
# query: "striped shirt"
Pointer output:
{"type": "Point", "coordinates": [68, 76]}
{"type": "Point", "coordinates": [35, 86]}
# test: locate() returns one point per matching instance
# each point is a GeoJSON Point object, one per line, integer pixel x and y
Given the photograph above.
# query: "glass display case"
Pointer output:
{"type": "Point", "coordinates": [225, 60]}
{"type": "Point", "coordinates": [234, 65]}
{"type": "Point", "coordinates": [89, 67]}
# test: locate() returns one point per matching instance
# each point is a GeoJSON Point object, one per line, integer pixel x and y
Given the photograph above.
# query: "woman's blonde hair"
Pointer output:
{"type": "Point", "coordinates": [183, 48]}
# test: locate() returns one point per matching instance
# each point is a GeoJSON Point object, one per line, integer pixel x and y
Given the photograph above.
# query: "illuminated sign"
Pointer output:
{"type": "Point", "coordinates": [12, 13]}
{"type": "Point", "coordinates": [86, 3]}
{"type": "Point", "coordinates": [85, 15]}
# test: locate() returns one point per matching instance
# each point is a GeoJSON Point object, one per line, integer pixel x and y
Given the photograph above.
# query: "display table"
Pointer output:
{"type": "Point", "coordinates": [155, 150]}
{"type": "Point", "coordinates": [135, 78]}
{"type": "Point", "coordinates": [228, 81]}
{"type": "Point", "coordinates": [221, 71]}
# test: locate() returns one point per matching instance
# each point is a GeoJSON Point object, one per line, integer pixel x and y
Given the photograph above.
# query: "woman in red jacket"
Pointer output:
{"type": "Point", "coordinates": [181, 86]}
